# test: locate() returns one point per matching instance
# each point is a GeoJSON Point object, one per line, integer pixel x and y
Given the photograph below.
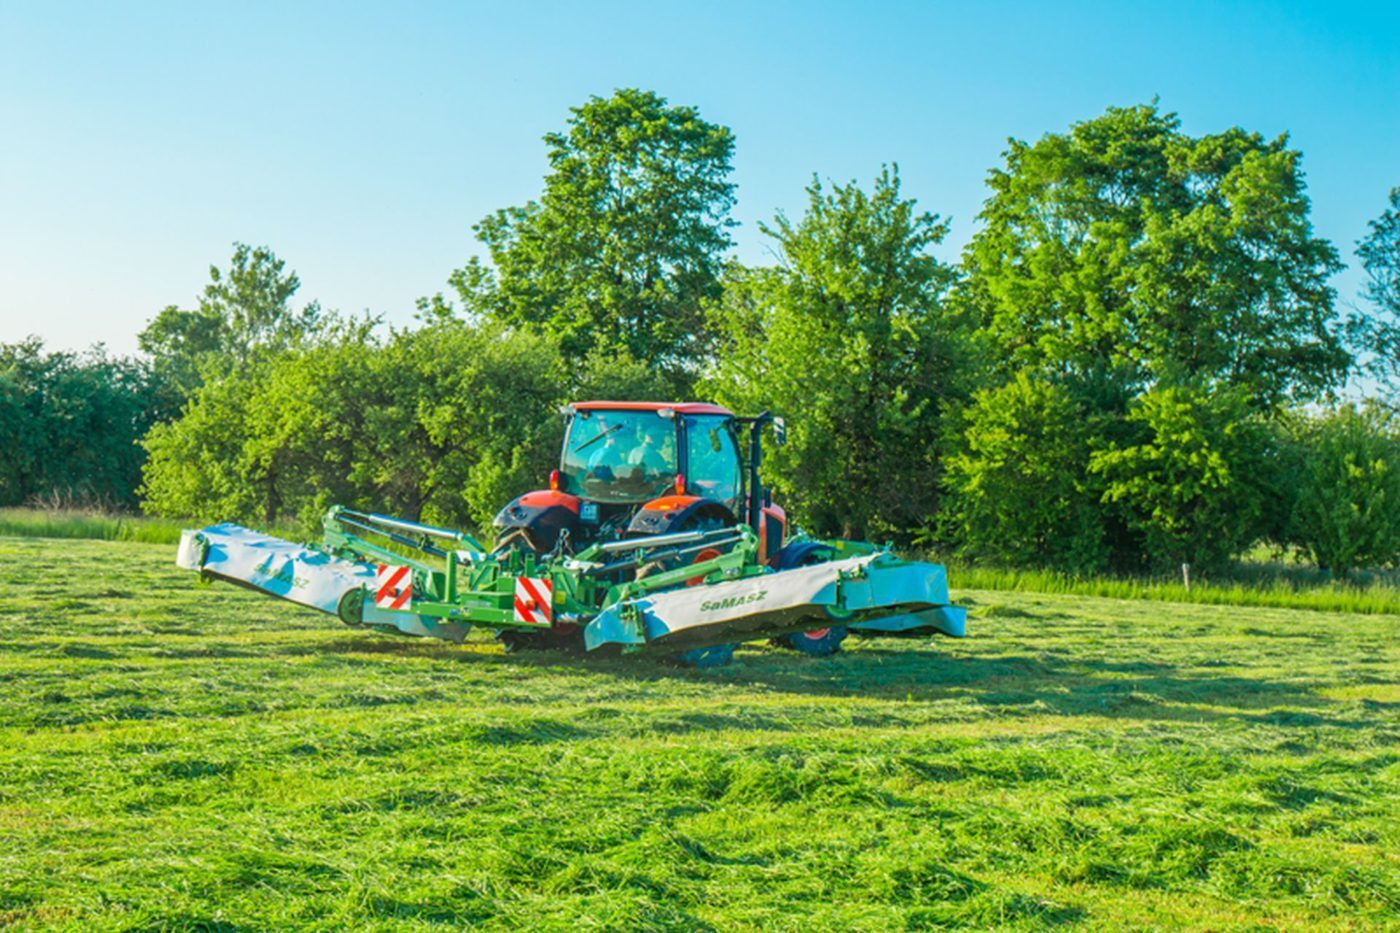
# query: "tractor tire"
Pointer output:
{"type": "Point", "coordinates": [817, 642]}
{"type": "Point", "coordinates": [713, 656]}
{"type": "Point", "coordinates": [709, 523]}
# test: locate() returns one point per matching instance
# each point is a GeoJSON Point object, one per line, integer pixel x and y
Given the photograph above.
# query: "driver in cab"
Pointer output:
{"type": "Point", "coordinates": [647, 454]}
{"type": "Point", "coordinates": [608, 454]}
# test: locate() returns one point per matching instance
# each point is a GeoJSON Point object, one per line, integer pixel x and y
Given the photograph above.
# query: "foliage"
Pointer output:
{"type": "Point", "coordinates": [177, 756]}
{"type": "Point", "coordinates": [852, 339]}
{"type": "Point", "coordinates": [1126, 250]}
{"type": "Point", "coordinates": [1192, 477]}
{"type": "Point", "coordinates": [1379, 332]}
{"type": "Point", "coordinates": [446, 423]}
{"type": "Point", "coordinates": [626, 241]}
{"type": "Point", "coordinates": [243, 311]}
{"type": "Point", "coordinates": [1346, 487]}
{"type": "Point", "coordinates": [1020, 488]}
{"type": "Point", "coordinates": [70, 424]}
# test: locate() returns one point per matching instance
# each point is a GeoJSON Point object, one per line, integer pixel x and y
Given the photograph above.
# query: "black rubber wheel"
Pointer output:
{"type": "Point", "coordinates": [817, 642]}
{"type": "Point", "coordinates": [713, 656]}
{"type": "Point", "coordinates": [516, 640]}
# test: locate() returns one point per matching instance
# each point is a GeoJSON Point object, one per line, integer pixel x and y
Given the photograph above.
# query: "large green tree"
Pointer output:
{"type": "Point", "coordinates": [627, 240]}
{"type": "Point", "coordinates": [1130, 252]}
{"type": "Point", "coordinates": [245, 310]}
{"type": "Point", "coordinates": [852, 339]}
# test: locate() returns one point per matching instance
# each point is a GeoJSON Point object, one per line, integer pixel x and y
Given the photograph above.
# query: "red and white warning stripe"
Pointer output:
{"type": "Point", "coordinates": [393, 587]}
{"type": "Point", "coordinates": [534, 598]}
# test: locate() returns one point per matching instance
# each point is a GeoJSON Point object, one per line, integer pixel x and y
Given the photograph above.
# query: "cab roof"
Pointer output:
{"type": "Point", "coordinates": [683, 408]}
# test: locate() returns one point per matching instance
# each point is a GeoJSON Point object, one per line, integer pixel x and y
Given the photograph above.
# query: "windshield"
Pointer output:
{"type": "Point", "coordinates": [619, 456]}
{"type": "Point", "coordinates": [712, 460]}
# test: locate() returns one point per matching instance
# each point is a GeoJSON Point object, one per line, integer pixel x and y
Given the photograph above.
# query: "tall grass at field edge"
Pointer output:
{"type": "Point", "coordinates": [1277, 594]}
{"type": "Point", "coordinates": [76, 523]}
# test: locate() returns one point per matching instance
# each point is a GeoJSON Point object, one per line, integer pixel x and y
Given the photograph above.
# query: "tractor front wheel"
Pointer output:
{"type": "Point", "coordinates": [818, 642]}
{"type": "Point", "coordinates": [713, 656]}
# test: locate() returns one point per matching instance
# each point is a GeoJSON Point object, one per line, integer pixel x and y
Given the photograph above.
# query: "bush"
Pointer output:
{"type": "Point", "coordinates": [445, 424]}
{"type": "Point", "coordinates": [71, 423]}
{"type": "Point", "coordinates": [1192, 478]}
{"type": "Point", "coordinates": [1020, 490]}
{"type": "Point", "coordinates": [1346, 479]}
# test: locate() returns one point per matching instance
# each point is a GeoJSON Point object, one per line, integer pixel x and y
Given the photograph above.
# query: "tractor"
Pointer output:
{"type": "Point", "coordinates": [655, 535]}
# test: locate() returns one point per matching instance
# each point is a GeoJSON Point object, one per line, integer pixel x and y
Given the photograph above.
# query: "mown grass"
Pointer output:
{"type": "Point", "coordinates": [175, 756]}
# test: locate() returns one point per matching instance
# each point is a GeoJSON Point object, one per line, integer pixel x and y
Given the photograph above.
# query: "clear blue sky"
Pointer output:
{"type": "Point", "coordinates": [138, 141]}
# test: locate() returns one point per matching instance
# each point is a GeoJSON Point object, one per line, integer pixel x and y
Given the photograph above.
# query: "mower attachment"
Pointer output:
{"type": "Point", "coordinates": [876, 590]}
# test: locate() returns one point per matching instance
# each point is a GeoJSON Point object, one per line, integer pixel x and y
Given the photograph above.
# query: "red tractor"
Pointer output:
{"type": "Point", "coordinates": [655, 535]}
{"type": "Point", "coordinates": [633, 469]}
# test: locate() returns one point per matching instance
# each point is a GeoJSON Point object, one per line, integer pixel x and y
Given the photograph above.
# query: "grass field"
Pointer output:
{"type": "Point", "coordinates": [173, 756]}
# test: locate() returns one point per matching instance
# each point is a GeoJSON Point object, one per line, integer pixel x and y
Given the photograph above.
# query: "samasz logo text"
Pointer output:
{"type": "Point", "coordinates": [731, 602]}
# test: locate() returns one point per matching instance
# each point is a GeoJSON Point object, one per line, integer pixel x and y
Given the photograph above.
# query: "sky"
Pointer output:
{"type": "Point", "coordinates": [139, 141]}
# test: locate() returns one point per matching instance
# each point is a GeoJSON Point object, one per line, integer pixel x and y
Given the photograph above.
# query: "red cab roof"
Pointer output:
{"type": "Point", "coordinates": [684, 408]}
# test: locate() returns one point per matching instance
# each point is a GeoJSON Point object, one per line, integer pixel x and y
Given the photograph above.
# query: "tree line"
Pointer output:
{"type": "Point", "coordinates": [1138, 360]}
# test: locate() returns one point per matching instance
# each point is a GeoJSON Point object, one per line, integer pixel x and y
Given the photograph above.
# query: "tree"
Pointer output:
{"type": "Point", "coordinates": [1379, 333]}
{"type": "Point", "coordinates": [851, 338]}
{"type": "Point", "coordinates": [1129, 252]}
{"type": "Point", "coordinates": [1194, 476]}
{"type": "Point", "coordinates": [243, 312]}
{"type": "Point", "coordinates": [70, 423]}
{"type": "Point", "coordinates": [444, 423]}
{"type": "Point", "coordinates": [626, 241]}
{"type": "Point", "coordinates": [1020, 492]}
{"type": "Point", "coordinates": [1346, 487]}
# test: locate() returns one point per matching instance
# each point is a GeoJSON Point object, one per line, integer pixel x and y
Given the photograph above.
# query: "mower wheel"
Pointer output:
{"type": "Point", "coordinates": [818, 642]}
{"type": "Point", "coordinates": [713, 656]}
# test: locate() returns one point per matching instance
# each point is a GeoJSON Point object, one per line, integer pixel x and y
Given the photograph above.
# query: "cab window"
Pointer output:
{"type": "Point", "coordinates": [712, 459]}
{"type": "Point", "coordinates": [619, 456]}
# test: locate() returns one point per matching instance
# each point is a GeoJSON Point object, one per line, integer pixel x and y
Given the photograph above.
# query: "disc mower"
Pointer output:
{"type": "Point", "coordinates": [655, 535]}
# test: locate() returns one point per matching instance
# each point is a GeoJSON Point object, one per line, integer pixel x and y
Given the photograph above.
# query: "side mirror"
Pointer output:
{"type": "Point", "coordinates": [780, 431]}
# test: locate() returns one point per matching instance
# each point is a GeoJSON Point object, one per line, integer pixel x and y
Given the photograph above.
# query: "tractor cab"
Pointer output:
{"type": "Point", "coordinates": [634, 455]}
{"type": "Point", "coordinates": [645, 468]}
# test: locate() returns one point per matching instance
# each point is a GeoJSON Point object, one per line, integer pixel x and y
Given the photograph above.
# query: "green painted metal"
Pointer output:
{"type": "Point", "coordinates": [667, 592]}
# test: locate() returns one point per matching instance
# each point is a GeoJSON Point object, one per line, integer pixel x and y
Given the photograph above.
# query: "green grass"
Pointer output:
{"type": "Point", "coordinates": [175, 756]}
{"type": "Point", "coordinates": [1282, 591]}
{"type": "Point", "coordinates": [78, 523]}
